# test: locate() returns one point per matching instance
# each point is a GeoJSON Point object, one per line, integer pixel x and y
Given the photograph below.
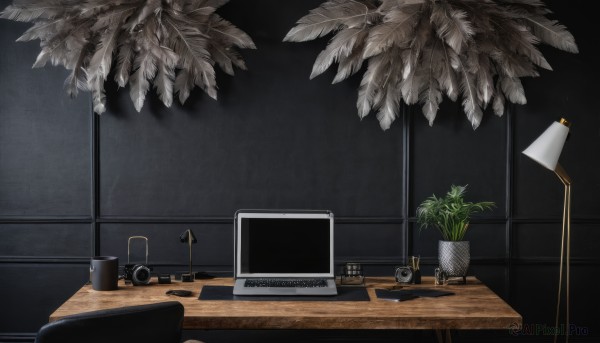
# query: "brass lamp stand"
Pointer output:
{"type": "Point", "coordinates": [566, 226]}
{"type": "Point", "coordinates": [546, 150]}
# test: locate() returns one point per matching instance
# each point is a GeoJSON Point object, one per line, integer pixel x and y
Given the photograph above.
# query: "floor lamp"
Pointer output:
{"type": "Point", "coordinates": [546, 150]}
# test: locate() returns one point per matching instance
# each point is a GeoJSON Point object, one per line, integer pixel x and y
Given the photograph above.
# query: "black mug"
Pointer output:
{"type": "Point", "coordinates": [104, 273]}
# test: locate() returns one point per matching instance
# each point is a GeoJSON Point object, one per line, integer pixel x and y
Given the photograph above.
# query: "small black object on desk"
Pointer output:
{"type": "Point", "coordinates": [179, 292]}
{"type": "Point", "coordinates": [164, 278]}
{"type": "Point", "coordinates": [196, 275]}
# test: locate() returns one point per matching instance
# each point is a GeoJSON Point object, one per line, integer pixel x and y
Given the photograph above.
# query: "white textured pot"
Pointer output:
{"type": "Point", "coordinates": [454, 257]}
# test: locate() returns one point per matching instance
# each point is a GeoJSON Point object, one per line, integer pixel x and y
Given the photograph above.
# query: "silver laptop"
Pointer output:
{"type": "Point", "coordinates": [284, 253]}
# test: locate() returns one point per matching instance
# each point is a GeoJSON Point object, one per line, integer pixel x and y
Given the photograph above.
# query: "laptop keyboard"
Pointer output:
{"type": "Point", "coordinates": [307, 283]}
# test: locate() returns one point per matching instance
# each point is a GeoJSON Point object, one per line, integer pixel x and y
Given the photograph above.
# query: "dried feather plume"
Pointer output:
{"type": "Point", "coordinates": [173, 44]}
{"type": "Point", "coordinates": [417, 51]}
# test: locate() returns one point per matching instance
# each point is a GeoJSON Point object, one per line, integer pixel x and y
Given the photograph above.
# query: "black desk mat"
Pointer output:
{"type": "Point", "coordinates": [226, 293]}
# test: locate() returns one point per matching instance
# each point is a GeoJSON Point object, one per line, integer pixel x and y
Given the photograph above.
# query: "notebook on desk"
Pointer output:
{"type": "Point", "coordinates": [283, 253]}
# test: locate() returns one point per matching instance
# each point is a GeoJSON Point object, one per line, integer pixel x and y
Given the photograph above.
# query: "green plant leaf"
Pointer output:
{"type": "Point", "coordinates": [451, 214]}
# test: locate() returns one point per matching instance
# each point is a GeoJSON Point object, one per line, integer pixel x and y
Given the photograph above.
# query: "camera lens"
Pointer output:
{"type": "Point", "coordinates": [141, 275]}
{"type": "Point", "coordinates": [404, 274]}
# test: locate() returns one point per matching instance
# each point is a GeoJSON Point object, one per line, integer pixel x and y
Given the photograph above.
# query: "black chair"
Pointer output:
{"type": "Point", "coordinates": [153, 323]}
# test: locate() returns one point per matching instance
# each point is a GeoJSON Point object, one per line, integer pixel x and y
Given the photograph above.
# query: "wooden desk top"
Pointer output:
{"type": "Point", "coordinates": [474, 306]}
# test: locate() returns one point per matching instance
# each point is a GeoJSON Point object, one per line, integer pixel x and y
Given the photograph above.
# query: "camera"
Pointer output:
{"type": "Point", "coordinates": [411, 273]}
{"type": "Point", "coordinates": [404, 274]}
{"type": "Point", "coordinates": [137, 274]}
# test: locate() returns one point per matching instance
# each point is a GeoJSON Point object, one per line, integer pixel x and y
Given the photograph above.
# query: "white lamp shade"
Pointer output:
{"type": "Point", "coordinates": [547, 148]}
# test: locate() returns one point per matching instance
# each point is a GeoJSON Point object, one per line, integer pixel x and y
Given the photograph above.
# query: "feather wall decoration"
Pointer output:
{"type": "Point", "coordinates": [171, 44]}
{"type": "Point", "coordinates": [417, 51]}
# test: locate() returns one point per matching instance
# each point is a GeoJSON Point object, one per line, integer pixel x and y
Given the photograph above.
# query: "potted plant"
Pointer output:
{"type": "Point", "coordinates": [451, 215]}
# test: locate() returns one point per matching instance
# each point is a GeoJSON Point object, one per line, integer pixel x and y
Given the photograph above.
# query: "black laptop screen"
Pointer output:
{"type": "Point", "coordinates": [285, 246]}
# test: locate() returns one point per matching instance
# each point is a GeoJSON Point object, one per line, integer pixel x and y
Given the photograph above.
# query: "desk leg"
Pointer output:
{"type": "Point", "coordinates": [440, 336]}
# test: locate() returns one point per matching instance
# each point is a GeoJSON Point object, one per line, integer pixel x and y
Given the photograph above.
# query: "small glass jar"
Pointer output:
{"type": "Point", "coordinates": [440, 277]}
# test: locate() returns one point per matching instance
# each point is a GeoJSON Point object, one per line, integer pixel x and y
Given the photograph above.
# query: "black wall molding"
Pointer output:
{"type": "Point", "coordinates": [45, 220]}
{"type": "Point", "coordinates": [229, 220]}
{"type": "Point", "coordinates": [45, 259]}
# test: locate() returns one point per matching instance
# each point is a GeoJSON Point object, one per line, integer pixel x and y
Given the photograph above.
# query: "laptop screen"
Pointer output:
{"type": "Point", "coordinates": [284, 244]}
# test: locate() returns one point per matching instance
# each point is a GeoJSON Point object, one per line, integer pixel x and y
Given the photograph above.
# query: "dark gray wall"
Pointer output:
{"type": "Point", "coordinates": [73, 184]}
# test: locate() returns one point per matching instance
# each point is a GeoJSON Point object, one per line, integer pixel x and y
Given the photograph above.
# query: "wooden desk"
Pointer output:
{"type": "Point", "coordinates": [474, 306]}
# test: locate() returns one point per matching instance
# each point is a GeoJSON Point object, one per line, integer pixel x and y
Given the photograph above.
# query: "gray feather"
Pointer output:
{"type": "Point", "coordinates": [75, 81]}
{"type": "Point", "coordinates": [98, 95]}
{"type": "Point", "coordinates": [340, 47]}
{"type": "Point", "coordinates": [552, 33]}
{"type": "Point", "coordinates": [396, 29]}
{"type": "Point", "coordinates": [421, 38]}
{"type": "Point", "coordinates": [124, 61]}
{"type": "Point", "coordinates": [191, 47]}
{"type": "Point", "coordinates": [183, 85]}
{"type": "Point", "coordinates": [101, 61]}
{"type": "Point", "coordinates": [469, 90]}
{"type": "Point", "coordinates": [164, 84]}
{"type": "Point", "coordinates": [145, 69]}
{"type": "Point", "coordinates": [513, 65]}
{"type": "Point", "coordinates": [513, 89]}
{"type": "Point", "coordinates": [40, 30]}
{"type": "Point", "coordinates": [431, 102]}
{"type": "Point", "coordinates": [484, 80]}
{"type": "Point", "coordinates": [228, 33]}
{"type": "Point", "coordinates": [220, 56]}
{"type": "Point", "coordinates": [42, 58]}
{"type": "Point", "coordinates": [388, 111]}
{"type": "Point", "coordinates": [159, 36]}
{"type": "Point", "coordinates": [350, 64]}
{"type": "Point", "coordinates": [448, 79]}
{"type": "Point", "coordinates": [451, 25]}
{"type": "Point", "coordinates": [518, 39]}
{"type": "Point", "coordinates": [30, 11]}
{"type": "Point", "coordinates": [165, 75]}
{"type": "Point", "coordinates": [498, 104]}
{"type": "Point", "coordinates": [330, 16]}
{"type": "Point", "coordinates": [142, 13]}
{"type": "Point", "coordinates": [413, 85]}
{"type": "Point", "coordinates": [431, 97]}
{"type": "Point", "coordinates": [468, 43]}
{"type": "Point", "coordinates": [370, 84]}
{"type": "Point", "coordinates": [78, 78]}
